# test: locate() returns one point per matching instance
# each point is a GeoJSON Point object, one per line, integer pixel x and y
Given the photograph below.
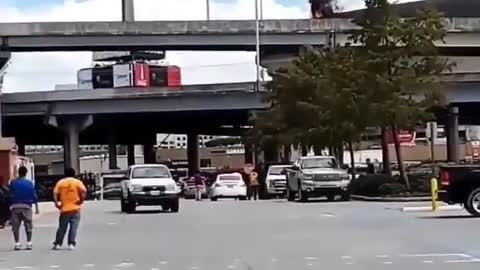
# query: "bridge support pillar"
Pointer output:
{"type": "Point", "coordinates": [112, 152]}
{"type": "Point", "coordinates": [131, 154]}
{"type": "Point", "coordinates": [192, 154]}
{"type": "Point", "coordinates": [149, 153]}
{"type": "Point", "coordinates": [452, 135]}
{"type": "Point", "coordinates": [249, 153]}
{"type": "Point", "coordinates": [72, 127]}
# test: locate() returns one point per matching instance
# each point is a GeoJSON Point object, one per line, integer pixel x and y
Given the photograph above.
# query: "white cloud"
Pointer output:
{"type": "Point", "coordinates": [42, 71]}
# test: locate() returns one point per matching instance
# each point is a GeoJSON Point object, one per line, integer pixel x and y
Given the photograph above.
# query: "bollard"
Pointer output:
{"type": "Point", "coordinates": [434, 191]}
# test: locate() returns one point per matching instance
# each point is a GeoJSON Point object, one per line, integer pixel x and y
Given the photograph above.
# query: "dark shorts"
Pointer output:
{"type": "Point", "coordinates": [20, 215]}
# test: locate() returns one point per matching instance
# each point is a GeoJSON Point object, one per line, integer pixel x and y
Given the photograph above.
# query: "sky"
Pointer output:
{"type": "Point", "coordinates": [42, 71]}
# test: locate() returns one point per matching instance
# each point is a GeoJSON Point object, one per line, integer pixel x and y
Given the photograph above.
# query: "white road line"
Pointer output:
{"type": "Point", "coordinates": [349, 263]}
{"type": "Point", "coordinates": [463, 255]}
{"type": "Point", "coordinates": [54, 266]}
{"type": "Point", "coordinates": [231, 267]}
{"type": "Point", "coordinates": [89, 265]}
{"type": "Point", "coordinates": [383, 256]}
{"type": "Point", "coordinates": [163, 262]}
{"type": "Point", "coordinates": [387, 262]}
{"type": "Point", "coordinates": [309, 264]}
{"type": "Point", "coordinates": [111, 223]}
{"type": "Point", "coordinates": [427, 261]}
{"type": "Point", "coordinates": [328, 215]}
{"type": "Point", "coordinates": [274, 259]}
{"type": "Point", "coordinates": [154, 268]}
{"type": "Point", "coordinates": [310, 258]}
{"type": "Point", "coordinates": [23, 267]}
{"type": "Point", "coordinates": [194, 268]}
{"type": "Point", "coordinates": [472, 260]}
{"type": "Point", "coordinates": [346, 257]}
{"type": "Point", "coordinates": [125, 265]}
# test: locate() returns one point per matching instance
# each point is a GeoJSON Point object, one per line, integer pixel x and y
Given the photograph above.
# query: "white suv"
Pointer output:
{"type": "Point", "coordinates": [149, 185]}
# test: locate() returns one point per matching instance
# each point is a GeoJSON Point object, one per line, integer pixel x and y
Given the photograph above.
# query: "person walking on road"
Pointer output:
{"type": "Point", "coordinates": [254, 185]}
{"type": "Point", "coordinates": [23, 196]}
{"type": "Point", "coordinates": [4, 205]}
{"type": "Point", "coordinates": [199, 186]}
{"type": "Point", "coordinates": [69, 195]}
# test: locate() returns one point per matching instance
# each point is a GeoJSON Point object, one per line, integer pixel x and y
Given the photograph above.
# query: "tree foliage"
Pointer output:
{"type": "Point", "coordinates": [387, 77]}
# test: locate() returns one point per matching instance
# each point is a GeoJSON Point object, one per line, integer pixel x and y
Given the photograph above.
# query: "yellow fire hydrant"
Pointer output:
{"type": "Point", "coordinates": [434, 191]}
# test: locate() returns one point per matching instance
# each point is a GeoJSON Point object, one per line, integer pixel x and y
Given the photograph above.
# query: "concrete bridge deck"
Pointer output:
{"type": "Point", "coordinates": [196, 35]}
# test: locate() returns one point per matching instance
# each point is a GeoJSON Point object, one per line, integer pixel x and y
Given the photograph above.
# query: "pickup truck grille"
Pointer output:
{"type": "Point", "coordinates": [327, 177]}
{"type": "Point", "coordinates": [279, 183]}
{"type": "Point", "coordinates": [154, 188]}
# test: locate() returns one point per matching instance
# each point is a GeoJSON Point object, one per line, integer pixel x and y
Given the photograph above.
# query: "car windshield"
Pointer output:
{"type": "Point", "coordinates": [276, 170]}
{"type": "Point", "coordinates": [311, 163]}
{"type": "Point", "coordinates": [151, 172]}
{"type": "Point", "coordinates": [230, 177]}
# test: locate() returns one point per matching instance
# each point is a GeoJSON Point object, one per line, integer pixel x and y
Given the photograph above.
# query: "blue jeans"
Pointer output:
{"type": "Point", "coordinates": [66, 219]}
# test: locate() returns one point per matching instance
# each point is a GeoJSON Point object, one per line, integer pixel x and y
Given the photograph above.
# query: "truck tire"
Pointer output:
{"type": "Point", "coordinates": [331, 197]}
{"type": "Point", "coordinates": [346, 196]}
{"type": "Point", "coordinates": [175, 206]}
{"type": "Point", "coordinates": [472, 205]}
{"type": "Point", "coordinates": [302, 195]}
{"type": "Point", "coordinates": [123, 206]}
{"type": "Point", "coordinates": [290, 195]}
{"type": "Point", "coordinates": [131, 207]}
{"type": "Point", "coordinates": [213, 199]}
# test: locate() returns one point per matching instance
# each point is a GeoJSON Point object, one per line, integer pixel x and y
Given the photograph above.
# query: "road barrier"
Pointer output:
{"type": "Point", "coordinates": [434, 191]}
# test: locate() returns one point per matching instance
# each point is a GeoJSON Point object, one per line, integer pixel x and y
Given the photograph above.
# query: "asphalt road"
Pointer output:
{"type": "Point", "coordinates": [264, 235]}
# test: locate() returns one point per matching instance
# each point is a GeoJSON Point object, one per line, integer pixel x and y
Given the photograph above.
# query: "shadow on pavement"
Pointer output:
{"type": "Point", "coordinates": [449, 217]}
{"type": "Point", "coordinates": [142, 212]}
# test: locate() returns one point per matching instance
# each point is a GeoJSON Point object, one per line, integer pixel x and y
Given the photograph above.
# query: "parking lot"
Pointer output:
{"type": "Point", "coordinates": [273, 234]}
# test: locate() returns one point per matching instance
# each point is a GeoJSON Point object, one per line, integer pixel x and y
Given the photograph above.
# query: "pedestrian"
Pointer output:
{"type": "Point", "coordinates": [254, 185]}
{"type": "Point", "coordinates": [370, 166]}
{"type": "Point", "coordinates": [69, 195]}
{"type": "Point", "coordinates": [23, 196]}
{"type": "Point", "coordinates": [4, 205]}
{"type": "Point", "coordinates": [199, 185]}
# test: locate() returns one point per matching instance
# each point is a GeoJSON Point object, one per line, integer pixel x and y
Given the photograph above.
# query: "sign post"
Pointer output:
{"type": "Point", "coordinates": [431, 133]}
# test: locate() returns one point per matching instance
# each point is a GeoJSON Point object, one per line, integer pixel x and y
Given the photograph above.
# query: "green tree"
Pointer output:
{"type": "Point", "coordinates": [402, 67]}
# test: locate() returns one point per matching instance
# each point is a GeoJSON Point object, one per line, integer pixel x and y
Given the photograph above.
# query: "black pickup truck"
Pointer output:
{"type": "Point", "coordinates": [461, 184]}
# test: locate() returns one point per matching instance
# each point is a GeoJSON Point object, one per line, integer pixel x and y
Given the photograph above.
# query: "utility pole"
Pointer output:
{"type": "Point", "coordinates": [128, 11]}
{"type": "Point", "coordinates": [257, 37]}
{"type": "Point", "coordinates": [208, 10]}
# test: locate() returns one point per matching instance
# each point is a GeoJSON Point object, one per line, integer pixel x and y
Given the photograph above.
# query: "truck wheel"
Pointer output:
{"type": "Point", "coordinates": [123, 206]}
{"type": "Point", "coordinates": [331, 197]}
{"type": "Point", "coordinates": [131, 207]}
{"type": "Point", "coordinates": [302, 195]}
{"type": "Point", "coordinates": [242, 198]}
{"type": "Point", "coordinates": [213, 199]}
{"type": "Point", "coordinates": [472, 205]}
{"type": "Point", "coordinates": [290, 195]}
{"type": "Point", "coordinates": [175, 205]}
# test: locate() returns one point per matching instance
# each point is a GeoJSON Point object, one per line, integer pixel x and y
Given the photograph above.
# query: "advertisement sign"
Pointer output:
{"type": "Point", "coordinates": [122, 75]}
{"type": "Point", "coordinates": [84, 79]}
{"type": "Point", "coordinates": [142, 75]}
{"type": "Point", "coordinates": [103, 77]}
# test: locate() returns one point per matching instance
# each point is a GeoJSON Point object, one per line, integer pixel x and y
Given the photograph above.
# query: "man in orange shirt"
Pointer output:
{"type": "Point", "coordinates": [69, 195]}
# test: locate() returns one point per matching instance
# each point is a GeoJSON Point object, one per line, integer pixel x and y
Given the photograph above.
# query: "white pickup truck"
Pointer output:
{"type": "Point", "coordinates": [149, 185]}
{"type": "Point", "coordinates": [317, 176]}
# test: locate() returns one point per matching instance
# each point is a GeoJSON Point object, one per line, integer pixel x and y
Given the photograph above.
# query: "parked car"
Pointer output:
{"type": "Point", "coordinates": [228, 186]}
{"type": "Point", "coordinates": [276, 180]}
{"type": "Point", "coordinates": [110, 191]}
{"type": "Point", "coordinates": [149, 185]}
{"type": "Point", "coordinates": [460, 184]}
{"type": "Point", "coordinates": [316, 176]}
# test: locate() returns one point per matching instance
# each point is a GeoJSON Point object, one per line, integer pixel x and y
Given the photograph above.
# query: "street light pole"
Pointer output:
{"type": "Point", "coordinates": [257, 37]}
{"type": "Point", "coordinates": [208, 10]}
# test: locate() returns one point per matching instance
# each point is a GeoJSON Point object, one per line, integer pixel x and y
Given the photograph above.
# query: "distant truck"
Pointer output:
{"type": "Point", "coordinates": [460, 184]}
{"type": "Point", "coordinates": [316, 176]}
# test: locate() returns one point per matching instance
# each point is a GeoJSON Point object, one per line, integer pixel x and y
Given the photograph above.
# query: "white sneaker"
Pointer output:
{"type": "Point", "coordinates": [71, 247]}
{"type": "Point", "coordinates": [17, 246]}
{"type": "Point", "coordinates": [29, 246]}
{"type": "Point", "coordinates": [56, 247]}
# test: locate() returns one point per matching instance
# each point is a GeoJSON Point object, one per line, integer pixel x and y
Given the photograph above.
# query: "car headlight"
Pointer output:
{"type": "Point", "coordinates": [307, 176]}
{"type": "Point", "coordinates": [171, 187]}
{"type": "Point", "coordinates": [136, 187]}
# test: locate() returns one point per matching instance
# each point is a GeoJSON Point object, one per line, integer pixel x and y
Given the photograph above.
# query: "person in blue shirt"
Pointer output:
{"type": "Point", "coordinates": [23, 196]}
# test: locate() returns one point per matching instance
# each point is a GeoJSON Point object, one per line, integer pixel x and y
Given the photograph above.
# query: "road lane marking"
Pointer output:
{"type": "Point", "coordinates": [328, 215]}
{"type": "Point", "coordinates": [194, 268]}
{"type": "Point", "coordinates": [231, 267]}
{"type": "Point", "coordinates": [383, 256]}
{"type": "Point", "coordinates": [309, 264]}
{"type": "Point", "coordinates": [23, 267]}
{"type": "Point", "coordinates": [310, 258]}
{"type": "Point", "coordinates": [125, 265]}
{"type": "Point", "coordinates": [111, 223]}
{"type": "Point", "coordinates": [163, 262]}
{"type": "Point", "coordinates": [471, 260]}
{"type": "Point", "coordinates": [349, 263]}
{"type": "Point", "coordinates": [346, 257]}
{"type": "Point", "coordinates": [427, 261]}
{"type": "Point", "coordinates": [463, 255]}
{"type": "Point", "coordinates": [387, 262]}
{"type": "Point", "coordinates": [89, 265]}
{"type": "Point", "coordinates": [54, 266]}
{"type": "Point", "coordinates": [429, 208]}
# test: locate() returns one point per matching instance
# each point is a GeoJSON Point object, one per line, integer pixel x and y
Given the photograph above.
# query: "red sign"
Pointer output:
{"type": "Point", "coordinates": [405, 137]}
{"type": "Point", "coordinates": [142, 75]}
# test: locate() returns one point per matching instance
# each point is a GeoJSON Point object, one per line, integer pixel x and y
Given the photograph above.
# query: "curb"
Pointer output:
{"type": "Point", "coordinates": [391, 199]}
